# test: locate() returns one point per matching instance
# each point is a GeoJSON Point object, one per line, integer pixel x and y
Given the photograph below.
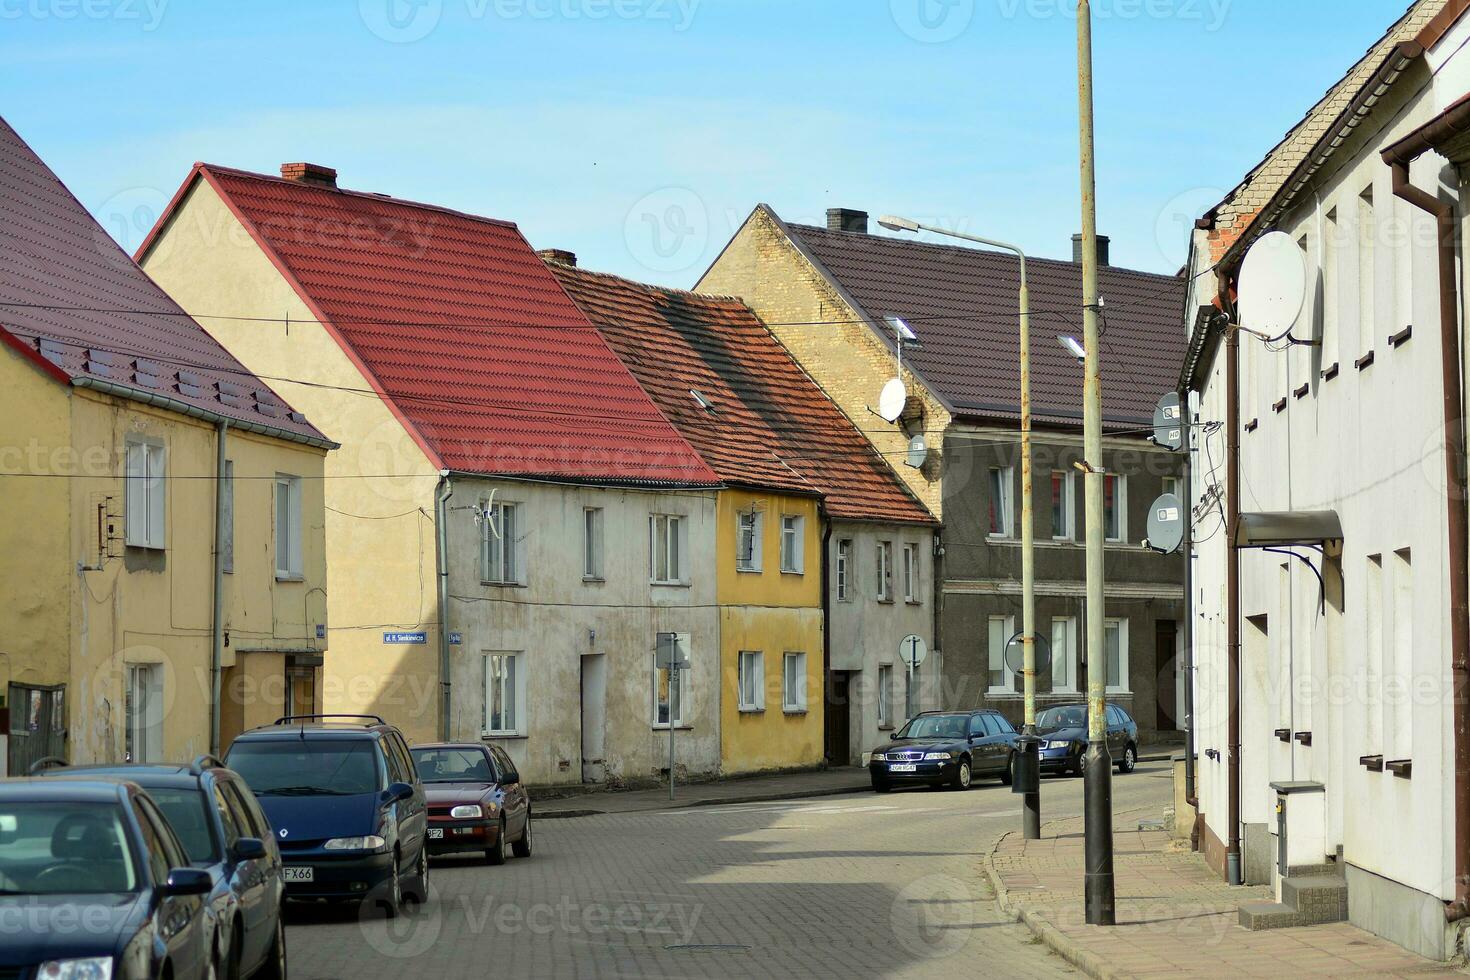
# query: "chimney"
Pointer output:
{"type": "Point", "coordinates": [1102, 249]}
{"type": "Point", "coordinates": [310, 173]}
{"type": "Point", "coordinates": [846, 219]}
{"type": "Point", "coordinates": [559, 255]}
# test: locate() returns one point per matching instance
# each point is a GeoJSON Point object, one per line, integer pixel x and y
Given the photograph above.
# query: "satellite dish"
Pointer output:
{"type": "Point", "coordinates": [1168, 422]}
{"type": "Point", "coordinates": [1273, 284]}
{"type": "Point", "coordinates": [1166, 524]}
{"type": "Point", "coordinates": [1015, 653]}
{"type": "Point", "coordinates": [918, 452]}
{"type": "Point", "coordinates": [892, 400]}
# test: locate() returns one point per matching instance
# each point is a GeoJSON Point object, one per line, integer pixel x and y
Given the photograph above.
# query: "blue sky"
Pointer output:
{"type": "Point", "coordinates": [640, 133]}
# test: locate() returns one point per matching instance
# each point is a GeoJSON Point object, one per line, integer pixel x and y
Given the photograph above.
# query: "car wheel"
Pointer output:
{"type": "Point", "coordinates": [392, 904]}
{"type": "Point", "coordinates": [882, 786]}
{"type": "Point", "coordinates": [496, 853]}
{"type": "Point", "coordinates": [522, 847]}
{"type": "Point", "coordinates": [1081, 767]}
{"type": "Point", "coordinates": [1005, 774]}
{"type": "Point", "coordinates": [962, 775]}
{"type": "Point", "coordinates": [420, 892]}
{"type": "Point", "coordinates": [1129, 760]}
{"type": "Point", "coordinates": [274, 967]}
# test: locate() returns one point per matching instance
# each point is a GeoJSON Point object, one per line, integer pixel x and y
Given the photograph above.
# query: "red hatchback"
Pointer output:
{"type": "Point", "coordinates": [476, 800]}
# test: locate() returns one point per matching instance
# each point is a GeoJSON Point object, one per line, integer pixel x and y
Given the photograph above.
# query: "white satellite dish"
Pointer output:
{"type": "Point", "coordinates": [892, 399]}
{"type": "Point", "coordinates": [1273, 285]}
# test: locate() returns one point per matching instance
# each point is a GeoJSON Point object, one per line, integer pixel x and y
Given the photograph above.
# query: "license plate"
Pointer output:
{"type": "Point", "coordinates": [903, 767]}
{"type": "Point", "coordinates": [297, 874]}
{"type": "Point", "coordinates": [436, 833]}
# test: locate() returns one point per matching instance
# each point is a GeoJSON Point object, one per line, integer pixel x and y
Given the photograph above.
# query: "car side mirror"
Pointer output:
{"type": "Point", "coordinates": [188, 881]}
{"type": "Point", "coordinates": [893, 736]}
{"type": "Point", "coordinates": [249, 849]}
{"type": "Point", "coordinates": [397, 791]}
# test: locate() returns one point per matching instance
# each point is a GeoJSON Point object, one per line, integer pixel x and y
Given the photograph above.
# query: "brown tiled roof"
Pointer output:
{"type": "Point", "coordinates": [963, 304]}
{"type": "Point", "coordinates": [769, 425]}
{"type": "Point", "coordinates": [70, 295]}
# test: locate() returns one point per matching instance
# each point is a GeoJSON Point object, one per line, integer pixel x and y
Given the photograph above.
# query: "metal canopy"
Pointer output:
{"type": "Point", "coordinates": [1292, 527]}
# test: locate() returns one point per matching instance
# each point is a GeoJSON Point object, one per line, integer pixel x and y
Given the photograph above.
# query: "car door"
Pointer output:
{"type": "Point", "coordinates": [981, 749]}
{"type": "Point", "coordinates": [409, 813]}
{"type": "Point", "coordinates": [1117, 732]}
{"type": "Point", "coordinates": [178, 919]}
{"type": "Point", "coordinates": [249, 879]}
{"type": "Point", "coordinates": [1005, 740]}
{"type": "Point", "coordinates": [517, 804]}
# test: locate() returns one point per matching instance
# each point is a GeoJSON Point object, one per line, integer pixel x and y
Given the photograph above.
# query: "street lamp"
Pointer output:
{"type": "Point", "coordinates": [1031, 807]}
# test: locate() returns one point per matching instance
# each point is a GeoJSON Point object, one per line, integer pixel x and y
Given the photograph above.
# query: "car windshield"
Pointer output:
{"type": "Point", "coordinates": [308, 767]}
{"type": "Point", "coordinates": [936, 726]}
{"type": "Point", "coordinates": [185, 809]}
{"type": "Point", "coordinates": [64, 849]}
{"type": "Point", "coordinates": [452, 765]}
{"type": "Point", "coordinates": [1068, 716]}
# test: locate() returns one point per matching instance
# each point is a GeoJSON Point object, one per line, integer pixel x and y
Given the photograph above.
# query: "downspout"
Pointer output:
{"type": "Point", "coordinates": [1233, 870]}
{"type": "Point", "coordinates": [216, 619]}
{"type": "Point", "coordinates": [1399, 157]}
{"type": "Point", "coordinates": [827, 622]}
{"type": "Point", "coordinates": [441, 546]}
{"type": "Point", "coordinates": [1191, 796]}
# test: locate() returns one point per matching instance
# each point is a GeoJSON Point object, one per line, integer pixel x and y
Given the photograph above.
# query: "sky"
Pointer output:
{"type": "Point", "coordinates": [640, 133]}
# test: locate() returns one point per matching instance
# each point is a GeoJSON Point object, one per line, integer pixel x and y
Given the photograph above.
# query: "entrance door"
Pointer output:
{"type": "Point", "coordinates": [837, 715]}
{"type": "Point", "coordinates": [1166, 656]}
{"type": "Point", "coordinates": [37, 726]}
{"type": "Point", "coordinates": [594, 718]}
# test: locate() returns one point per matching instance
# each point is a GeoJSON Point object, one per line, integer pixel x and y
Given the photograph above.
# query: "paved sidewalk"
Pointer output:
{"type": "Point", "coordinates": [1175, 918]}
{"type": "Point", "coordinates": [754, 789]}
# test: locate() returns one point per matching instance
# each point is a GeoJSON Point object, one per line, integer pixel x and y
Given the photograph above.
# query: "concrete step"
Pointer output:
{"type": "Point", "coordinates": [1269, 915]}
{"type": "Point", "coordinates": [1314, 870]}
{"type": "Point", "coordinates": [1319, 898]}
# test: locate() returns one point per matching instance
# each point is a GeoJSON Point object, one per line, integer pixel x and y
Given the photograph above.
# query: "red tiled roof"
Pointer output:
{"type": "Point", "coordinates": [770, 426]}
{"type": "Point", "coordinates": [465, 332]}
{"type": "Point", "coordinates": [70, 295]}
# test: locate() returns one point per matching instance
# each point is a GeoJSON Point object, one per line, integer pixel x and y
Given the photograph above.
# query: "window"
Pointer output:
{"type": "Point", "coordinates": [885, 571]}
{"type": "Point", "coordinates": [227, 819]}
{"type": "Point", "coordinates": [792, 543]}
{"type": "Point", "coordinates": [752, 680]}
{"type": "Point", "coordinates": [910, 573]}
{"type": "Point", "coordinates": [143, 714]}
{"type": "Point", "coordinates": [503, 686]}
{"type": "Point", "coordinates": [1401, 681]}
{"type": "Point", "coordinates": [288, 527]}
{"type": "Point", "coordinates": [227, 522]}
{"type": "Point", "coordinates": [1001, 480]}
{"type": "Point", "coordinates": [668, 694]}
{"type": "Point", "coordinates": [748, 541]}
{"type": "Point", "coordinates": [1063, 506]}
{"type": "Point", "coordinates": [1331, 283]}
{"type": "Point", "coordinates": [1115, 506]}
{"type": "Point", "coordinates": [1064, 654]}
{"type": "Point", "coordinates": [500, 547]}
{"type": "Point", "coordinates": [885, 695]}
{"type": "Point", "coordinates": [147, 466]}
{"type": "Point", "coordinates": [1373, 628]}
{"type": "Point", "coordinates": [1367, 269]}
{"type": "Point", "coordinates": [793, 686]}
{"type": "Point", "coordinates": [592, 543]}
{"type": "Point", "coordinates": [843, 573]}
{"type": "Point", "coordinates": [1002, 679]}
{"type": "Point", "coordinates": [667, 541]}
{"type": "Point", "coordinates": [1171, 486]}
{"type": "Point", "coordinates": [1115, 654]}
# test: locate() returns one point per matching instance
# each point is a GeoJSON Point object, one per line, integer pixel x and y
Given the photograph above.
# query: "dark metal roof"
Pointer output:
{"type": "Point", "coordinates": [1281, 528]}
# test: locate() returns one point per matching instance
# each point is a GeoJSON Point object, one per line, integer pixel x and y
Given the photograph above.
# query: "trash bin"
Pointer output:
{"type": "Point", "coordinates": [1026, 766]}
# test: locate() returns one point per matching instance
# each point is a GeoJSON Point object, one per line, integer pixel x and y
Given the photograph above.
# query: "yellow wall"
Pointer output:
{"type": "Point", "coordinates": [774, 613]}
{"type": "Point", "coordinates": [379, 486]}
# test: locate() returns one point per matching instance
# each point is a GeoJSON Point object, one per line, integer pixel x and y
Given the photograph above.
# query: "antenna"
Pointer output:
{"type": "Point", "coordinates": [1273, 285]}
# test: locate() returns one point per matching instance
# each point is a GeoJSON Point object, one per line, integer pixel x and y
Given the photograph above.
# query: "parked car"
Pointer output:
{"type": "Point", "coordinates": [1064, 728]}
{"type": "Point", "coordinates": [223, 831]}
{"type": "Point", "coordinates": [99, 884]}
{"type": "Point", "coordinates": [945, 747]}
{"type": "Point", "coordinates": [346, 805]}
{"type": "Point", "coordinates": [476, 800]}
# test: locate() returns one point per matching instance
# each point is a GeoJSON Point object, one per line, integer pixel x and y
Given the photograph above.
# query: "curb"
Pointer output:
{"type": "Point", "coordinates": [806, 794]}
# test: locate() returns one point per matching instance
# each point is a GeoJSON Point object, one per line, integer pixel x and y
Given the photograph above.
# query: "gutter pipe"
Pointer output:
{"type": "Point", "coordinates": [441, 542]}
{"type": "Point", "coordinates": [1233, 870]}
{"type": "Point", "coordinates": [217, 626]}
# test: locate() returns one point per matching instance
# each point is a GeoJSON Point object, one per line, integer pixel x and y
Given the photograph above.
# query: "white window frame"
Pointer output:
{"type": "Point", "coordinates": [1064, 651]}
{"type": "Point", "coordinates": [751, 681]}
{"type": "Point", "coordinates": [679, 710]}
{"type": "Point", "coordinates": [143, 714]}
{"type": "Point", "coordinates": [996, 655]}
{"type": "Point", "coordinates": [793, 544]}
{"type": "Point", "coordinates": [1068, 529]}
{"type": "Point", "coordinates": [793, 696]}
{"type": "Point", "coordinates": [843, 569]}
{"type": "Point", "coordinates": [291, 569]}
{"type": "Point", "coordinates": [885, 696]}
{"type": "Point", "coordinates": [501, 551]}
{"type": "Point", "coordinates": [911, 581]}
{"type": "Point", "coordinates": [1120, 627]}
{"type": "Point", "coordinates": [885, 571]}
{"type": "Point", "coordinates": [668, 545]}
{"type": "Point", "coordinates": [504, 676]}
{"type": "Point", "coordinates": [1120, 507]}
{"type": "Point", "coordinates": [592, 544]}
{"type": "Point", "coordinates": [749, 525]}
{"type": "Point", "coordinates": [145, 491]}
{"type": "Point", "coordinates": [1002, 500]}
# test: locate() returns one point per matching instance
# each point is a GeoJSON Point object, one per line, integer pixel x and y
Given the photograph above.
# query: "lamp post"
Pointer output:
{"type": "Point", "coordinates": [1031, 805]}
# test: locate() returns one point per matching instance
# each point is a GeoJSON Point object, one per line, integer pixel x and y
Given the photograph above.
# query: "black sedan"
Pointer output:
{"type": "Point", "coordinates": [94, 885]}
{"type": "Point", "coordinates": [945, 748]}
{"type": "Point", "coordinates": [224, 832]}
{"type": "Point", "coordinates": [1063, 728]}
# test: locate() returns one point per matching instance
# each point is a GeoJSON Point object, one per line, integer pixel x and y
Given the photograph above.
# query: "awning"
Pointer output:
{"type": "Point", "coordinates": [1291, 527]}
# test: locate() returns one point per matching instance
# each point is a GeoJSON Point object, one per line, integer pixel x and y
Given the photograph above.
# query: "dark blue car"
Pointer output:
{"type": "Point", "coordinates": [94, 885]}
{"type": "Point", "coordinates": [223, 831]}
{"type": "Point", "coordinates": [346, 805]}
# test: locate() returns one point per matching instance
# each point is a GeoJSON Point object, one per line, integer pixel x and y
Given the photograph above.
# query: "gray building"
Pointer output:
{"type": "Point", "coordinates": [830, 293]}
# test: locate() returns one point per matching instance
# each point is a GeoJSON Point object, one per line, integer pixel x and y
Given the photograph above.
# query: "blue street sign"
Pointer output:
{"type": "Point", "coordinates": [455, 639]}
{"type": "Point", "coordinates": [405, 638]}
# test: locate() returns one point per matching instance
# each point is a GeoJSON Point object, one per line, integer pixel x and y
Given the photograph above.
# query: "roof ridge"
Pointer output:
{"type": "Point", "coordinates": [648, 287]}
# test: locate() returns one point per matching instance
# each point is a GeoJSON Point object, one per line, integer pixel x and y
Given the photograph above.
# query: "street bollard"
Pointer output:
{"type": "Point", "coordinates": [1026, 780]}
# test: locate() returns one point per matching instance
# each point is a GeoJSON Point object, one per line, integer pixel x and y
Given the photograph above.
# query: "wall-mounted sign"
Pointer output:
{"type": "Point", "coordinates": [455, 639]}
{"type": "Point", "coordinates": [406, 638]}
{"type": "Point", "coordinates": [321, 631]}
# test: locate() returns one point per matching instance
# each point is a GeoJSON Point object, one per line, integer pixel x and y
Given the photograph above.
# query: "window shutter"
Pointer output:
{"type": "Point", "coordinates": [157, 457]}
{"type": "Point", "coordinates": [298, 566]}
{"type": "Point", "coordinates": [136, 502]}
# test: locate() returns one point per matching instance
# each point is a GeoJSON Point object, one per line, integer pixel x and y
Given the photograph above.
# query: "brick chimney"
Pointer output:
{"type": "Point", "coordinates": [1102, 249]}
{"type": "Point", "coordinates": [310, 173]}
{"type": "Point", "coordinates": [558, 255]}
{"type": "Point", "coordinates": [846, 219]}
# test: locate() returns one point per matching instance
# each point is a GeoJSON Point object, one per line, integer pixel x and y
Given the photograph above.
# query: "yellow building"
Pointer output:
{"type": "Point", "coordinates": [114, 430]}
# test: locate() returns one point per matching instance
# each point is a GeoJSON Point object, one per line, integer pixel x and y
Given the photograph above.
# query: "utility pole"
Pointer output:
{"type": "Point", "coordinates": [1098, 786]}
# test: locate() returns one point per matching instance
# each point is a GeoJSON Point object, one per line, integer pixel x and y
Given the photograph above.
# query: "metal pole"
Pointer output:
{"type": "Point", "coordinates": [673, 699]}
{"type": "Point", "coordinates": [1098, 789]}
